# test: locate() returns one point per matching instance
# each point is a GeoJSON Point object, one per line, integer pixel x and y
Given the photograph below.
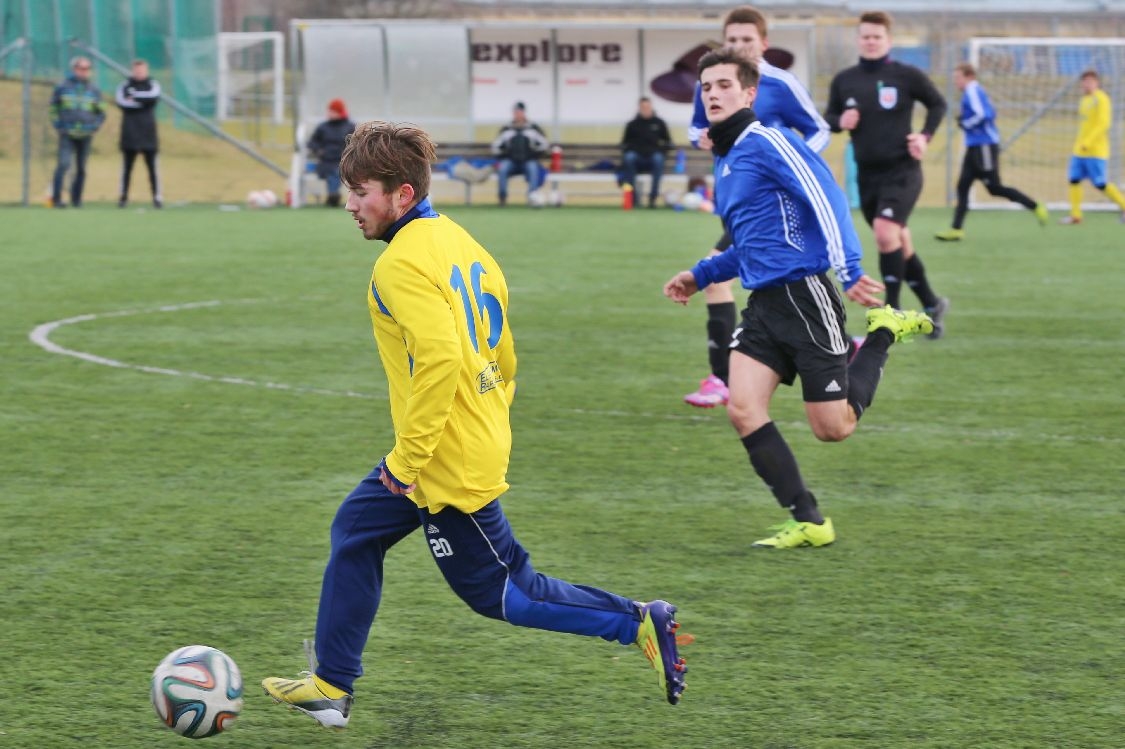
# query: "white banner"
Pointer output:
{"type": "Point", "coordinates": [601, 73]}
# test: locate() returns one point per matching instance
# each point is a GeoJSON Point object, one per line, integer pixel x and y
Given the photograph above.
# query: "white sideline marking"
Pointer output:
{"type": "Point", "coordinates": [40, 336]}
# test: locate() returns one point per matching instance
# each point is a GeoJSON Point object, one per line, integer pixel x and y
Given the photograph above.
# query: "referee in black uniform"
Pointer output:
{"type": "Point", "coordinates": [137, 97]}
{"type": "Point", "coordinates": [874, 100]}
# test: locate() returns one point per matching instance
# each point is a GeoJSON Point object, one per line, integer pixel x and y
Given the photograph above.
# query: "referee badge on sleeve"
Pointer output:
{"type": "Point", "coordinates": [888, 97]}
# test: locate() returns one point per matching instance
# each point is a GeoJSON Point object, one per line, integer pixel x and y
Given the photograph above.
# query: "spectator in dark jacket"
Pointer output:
{"type": "Point", "coordinates": [76, 114]}
{"type": "Point", "coordinates": [327, 144]}
{"type": "Point", "coordinates": [519, 145]}
{"type": "Point", "coordinates": [645, 142]}
{"type": "Point", "coordinates": [137, 97]}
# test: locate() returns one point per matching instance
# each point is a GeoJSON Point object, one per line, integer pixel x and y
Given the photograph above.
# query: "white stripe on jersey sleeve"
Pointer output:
{"type": "Point", "coordinates": [819, 140]}
{"type": "Point", "coordinates": [821, 205]}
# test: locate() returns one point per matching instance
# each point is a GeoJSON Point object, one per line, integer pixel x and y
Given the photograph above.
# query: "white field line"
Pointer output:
{"type": "Point", "coordinates": [40, 336]}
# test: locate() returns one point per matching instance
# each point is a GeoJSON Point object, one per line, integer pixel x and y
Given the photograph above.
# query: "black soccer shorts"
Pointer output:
{"type": "Point", "coordinates": [799, 329]}
{"type": "Point", "coordinates": [890, 193]}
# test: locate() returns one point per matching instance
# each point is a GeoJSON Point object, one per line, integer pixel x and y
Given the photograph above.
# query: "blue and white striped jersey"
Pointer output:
{"type": "Point", "coordinates": [781, 102]}
{"type": "Point", "coordinates": [978, 117]}
{"type": "Point", "coordinates": [785, 213]}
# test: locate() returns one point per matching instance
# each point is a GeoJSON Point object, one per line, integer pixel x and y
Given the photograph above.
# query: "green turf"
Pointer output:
{"type": "Point", "coordinates": [975, 598]}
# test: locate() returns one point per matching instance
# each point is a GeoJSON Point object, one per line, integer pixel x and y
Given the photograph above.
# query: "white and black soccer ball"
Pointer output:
{"type": "Point", "coordinates": [197, 691]}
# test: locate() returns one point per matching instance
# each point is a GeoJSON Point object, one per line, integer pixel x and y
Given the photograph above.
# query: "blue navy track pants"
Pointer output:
{"type": "Point", "coordinates": [478, 555]}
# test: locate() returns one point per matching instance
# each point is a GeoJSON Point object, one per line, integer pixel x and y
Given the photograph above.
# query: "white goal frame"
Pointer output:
{"type": "Point", "coordinates": [234, 41]}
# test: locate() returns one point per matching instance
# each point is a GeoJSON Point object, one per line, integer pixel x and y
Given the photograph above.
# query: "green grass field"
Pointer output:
{"type": "Point", "coordinates": [975, 597]}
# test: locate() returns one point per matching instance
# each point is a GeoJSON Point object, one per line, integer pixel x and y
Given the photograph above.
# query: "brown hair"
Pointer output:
{"type": "Point", "coordinates": [877, 17]}
{"type": "Point", "coordinates": [1090, 73]}
{"type": "Point", "coordinates": [390, 153]}
{"type": "Point", "coordinates": [966, 69]}
{"type": "Point", "coordinates": [748, 74]}
{"type": "Point", "coordinates": [746, 14]}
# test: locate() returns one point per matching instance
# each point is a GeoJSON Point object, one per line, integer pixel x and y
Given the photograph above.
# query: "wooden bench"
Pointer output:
{"type": "Point", "coordinates": [583, 169]}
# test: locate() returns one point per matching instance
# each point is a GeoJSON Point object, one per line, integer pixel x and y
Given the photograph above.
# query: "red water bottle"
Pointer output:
{"type": "Point", "coordinates": [627, 197]}
{"type": "Point", "coordinates": [556, 159]}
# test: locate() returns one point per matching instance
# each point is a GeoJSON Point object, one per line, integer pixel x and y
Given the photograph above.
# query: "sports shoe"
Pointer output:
{"type": "Point", "coordinates": [793, 535]}
{"type": "Point", "coordinates": [903, 324]}
{"type": "Point", "coordinates": [1041, 214]}
{"type": "Point", "coordinates": [712, 392]}
{"type": "Point", "coordinates": [937, 316]}
{"type": "Point", "coordinates": [313, 696]}
{"type": "Point", "coordinates": [857, 344]}
{"type": "Point", "coordinates": [950, 235]}
{"type": "Point", "coordinates": [656, 638]}
{"type": "Point", "coordinates": [1070, 220]}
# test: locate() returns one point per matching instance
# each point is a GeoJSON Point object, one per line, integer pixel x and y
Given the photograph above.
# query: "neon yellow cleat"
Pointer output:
{"type": "Point", "coordinates": [793, 535]}
{"type": "Point", "coordinates": [1041, 214]}
{"type": "Point", "coordinates": [656, 637]}
{"type": "Point", "coordinates": [950, 235]}
{"type": "Point", "coordinates": [903, 324]}
{"type": "Point", "coordinates": [314, 697]}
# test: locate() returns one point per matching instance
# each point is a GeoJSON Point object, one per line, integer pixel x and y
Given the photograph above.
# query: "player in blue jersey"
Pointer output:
{"type": "Point", "coordinates": [439, 309]}
{"type": "Point", "coordinates": [982, 153]}
{"type": "Point", "coordinates": [790, 223]}
{"type": "Point", "coordinates": [782, 102]}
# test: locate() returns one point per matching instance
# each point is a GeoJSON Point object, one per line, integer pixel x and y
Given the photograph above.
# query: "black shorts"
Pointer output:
{"type": "Point", "coordinates": [890, 193]}
{"type": "Point", "coordinates": [983, 163]}
{"type": "Point", "coordinates": [799, 329]}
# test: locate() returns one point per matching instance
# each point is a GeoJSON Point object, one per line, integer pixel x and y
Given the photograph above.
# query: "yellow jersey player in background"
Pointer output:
{"type": "Point", "coordinates": [1091, 147]}
{"type": "Point", "coordinates": [439, 306]}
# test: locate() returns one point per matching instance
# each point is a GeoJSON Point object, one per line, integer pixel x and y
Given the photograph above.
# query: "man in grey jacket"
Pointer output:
{"type": "Point", "coordinates": [76, 114]}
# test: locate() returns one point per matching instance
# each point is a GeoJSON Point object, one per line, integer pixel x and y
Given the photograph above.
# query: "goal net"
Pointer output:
{"type": "Point", "coordinates": [1034, 86]}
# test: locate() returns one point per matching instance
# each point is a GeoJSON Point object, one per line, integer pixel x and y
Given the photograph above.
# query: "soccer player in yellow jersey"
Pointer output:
{"type": "Point", "coordinates": [1091, 147]}
{"type": "Point", "coordinates": [439, 306]}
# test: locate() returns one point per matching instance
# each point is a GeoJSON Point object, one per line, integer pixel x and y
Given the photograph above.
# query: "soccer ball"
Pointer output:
{"type": "Point", "coordinates": [691, 201]}
{"type": "Point", "coordinates": [197, 691]}
{"type": "Point", "coordinates": [261, 199]}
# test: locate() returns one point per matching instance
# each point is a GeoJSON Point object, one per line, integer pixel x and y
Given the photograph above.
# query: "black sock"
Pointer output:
{"type": "Point", "coordinates": [893, 267]}
{"type": "Point", "coordinates": [916, 278]}
{"type": "Point", "coordinates": [866, 369]}
{"type": "Point", "coordinates": [722, 318]}
{"type": "Point", "coordinates": [775, 463]}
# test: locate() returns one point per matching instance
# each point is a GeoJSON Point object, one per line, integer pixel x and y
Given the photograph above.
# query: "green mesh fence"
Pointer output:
{"type": "Point", "coordinates": [177, 37]}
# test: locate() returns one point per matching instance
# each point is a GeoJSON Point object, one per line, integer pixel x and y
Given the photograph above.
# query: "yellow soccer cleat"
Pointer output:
{"type": "Point", "coordinates": [903, 324]}
{"type": "Point", "coordinates": [793, 535]}
{"type": "Point", "coordinates": [1041, 214]}
{"type": "Point", "coordinates": [950, 235]}
{"type": "Point", "coordinates": [314, 697]}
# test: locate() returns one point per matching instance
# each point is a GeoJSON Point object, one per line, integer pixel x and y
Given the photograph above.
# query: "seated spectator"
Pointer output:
{"type": "Point", "coordinates": [327, 145]}
{"type": "Point", "coordinates": [645, 142]}
{"type": "Point", "coordinates": [519, 145]}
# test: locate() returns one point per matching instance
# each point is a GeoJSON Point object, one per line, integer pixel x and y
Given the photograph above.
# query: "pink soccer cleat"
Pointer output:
{"type": "Point", "coordinates": [712, 392]}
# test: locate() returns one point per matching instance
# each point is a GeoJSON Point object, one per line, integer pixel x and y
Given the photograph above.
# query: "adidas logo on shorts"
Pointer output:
{"type": "Point", "coordinates": [833, 387]}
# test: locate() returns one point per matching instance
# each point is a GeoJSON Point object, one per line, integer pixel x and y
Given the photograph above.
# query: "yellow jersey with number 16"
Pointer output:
{"type": "Point", "coordinates": [439, 307]}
